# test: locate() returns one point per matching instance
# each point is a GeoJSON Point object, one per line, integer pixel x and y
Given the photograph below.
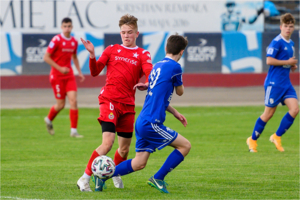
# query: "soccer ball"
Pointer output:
{"type": "Point", "coordinates": [103, 167]}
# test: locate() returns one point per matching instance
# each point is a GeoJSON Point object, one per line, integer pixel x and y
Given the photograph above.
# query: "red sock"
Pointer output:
{"type": "Point", "coordinates": [74, 118]}
{"type": "Point", "coordinates": [88, 169]}
{"type": "Point", "coordinates": [52, 113]}
{"type": "Point", "coordinates": [118, 159]}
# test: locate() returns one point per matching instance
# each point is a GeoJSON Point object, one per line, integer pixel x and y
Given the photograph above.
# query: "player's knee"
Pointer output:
{"type": "Point", "coordinates": [106, 146]}
{"type": "Point", "coordinates": [141, 166]}
{"type": "Point", "coordinates": [123, 151]}
{"type": "Point", "coordinates": [294, 111]}
{"type": "Point", "coordinates": [60, 106]}
{"type": "Point", "coordinates": [187, 146]}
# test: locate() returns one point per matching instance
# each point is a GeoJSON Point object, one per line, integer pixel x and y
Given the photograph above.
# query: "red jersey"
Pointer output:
{"type": "Point", "coordinates": [61, 50]}
{"type": "Point", "coordinates": [125, 67]}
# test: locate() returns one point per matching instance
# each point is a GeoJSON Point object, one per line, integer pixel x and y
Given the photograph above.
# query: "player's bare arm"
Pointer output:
{"type": "Point", "coordinates": [76, 63]}
{"type": "Point", "coordinates": [273, 61]}
{"type": "Point", "coordinates": [141, 86]}
{"type": "Point", "coordinates": [179, 90]}
{"type": "Point", "coordinates": [177, 115]}
{"type": "Point", "coordinates": [294, 67]}
{"type": "Point", "coordinates": [48, 59]}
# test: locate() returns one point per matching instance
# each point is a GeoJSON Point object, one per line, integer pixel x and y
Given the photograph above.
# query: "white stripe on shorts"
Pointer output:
{"type": "Point", "coordinates": [161, 132]}
{"type": "Point", "coordinates": [268, 91]}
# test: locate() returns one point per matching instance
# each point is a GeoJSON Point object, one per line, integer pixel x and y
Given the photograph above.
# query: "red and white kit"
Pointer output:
{"type": "Point", "coordinates": [125, 67]}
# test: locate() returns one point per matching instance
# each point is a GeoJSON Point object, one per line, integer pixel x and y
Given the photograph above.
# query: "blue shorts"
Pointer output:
{"type": "Point", "coordinates": [275, 95]}
{"type": "Point", "coordinates": [151, 136]}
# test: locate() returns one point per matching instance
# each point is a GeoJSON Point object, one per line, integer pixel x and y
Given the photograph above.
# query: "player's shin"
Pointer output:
{"type": "Point", "coordinates": [123, 168]}
{"type": "Point", "coordinates": [258, 128]}
{"type": "Point", "coordinates": [285, 124]}
{"type": "Point", "coordinates": [88, 169]}
{"type": "Point", "coordinates": [173, 160]}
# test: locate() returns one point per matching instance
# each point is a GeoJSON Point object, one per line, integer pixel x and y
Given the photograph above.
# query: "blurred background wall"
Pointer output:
{"type": "Point", "coordinates": [225, 37]}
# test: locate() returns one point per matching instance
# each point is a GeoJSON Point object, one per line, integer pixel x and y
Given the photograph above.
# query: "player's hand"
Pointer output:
{"type": "Point", "coordinates": [292, 61]}
{"type": "Point", "coordinates": [141, 86]}
{"type": "Point", "coordinates": [294, 67]}
{"type": "Point", "coordinates": [64, 70]}
{"type": "Point", "coordinates": [89, 46]}
{"type": "Point", "coordinates": [181, 118]}
{"type": "Point", "coordinates": [81, 77]}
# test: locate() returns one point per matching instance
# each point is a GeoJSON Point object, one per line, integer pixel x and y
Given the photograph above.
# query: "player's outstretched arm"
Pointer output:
{"type": "Point", "coordinates": [141, 86]}
{"type": "Point", "coordinates": [89, 47]}
{"type": "Point", "coordinates": [273, 61]}
{"type": "Point", "coordinates": [177, 115]}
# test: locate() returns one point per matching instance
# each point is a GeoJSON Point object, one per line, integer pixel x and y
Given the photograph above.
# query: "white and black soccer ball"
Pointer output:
{"type": "Point", "coordinates": [103, 167]}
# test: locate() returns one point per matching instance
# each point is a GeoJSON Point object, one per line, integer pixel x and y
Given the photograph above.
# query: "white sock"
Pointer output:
{"type": "Point", "coordinates": [48, 120]}
{"type": "Point", "coordinates": [73, 130]}
{"type": "Point", "coordinates": [86, 176]}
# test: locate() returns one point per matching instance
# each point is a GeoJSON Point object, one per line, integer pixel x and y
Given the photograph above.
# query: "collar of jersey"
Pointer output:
{"type": "Point", "coordinates": [62, 35]}
{"type": "Point", "coordinates": [132, 48]}
{"type": "Point", "coordinates": [285, 39]}
{"type": "Point", "coordinates": [169, 57]}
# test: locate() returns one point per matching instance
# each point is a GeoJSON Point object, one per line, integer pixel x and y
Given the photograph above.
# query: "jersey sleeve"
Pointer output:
{"type": "Point", "coordinates": [273, 49]}
{"type": "Point", "coordinates": [177, 75]}
{"type": "Point", "coordinates": [53, 45]}
{"type": "Point", "coordinates": [76, 46]}
{"type": "Point", "coordinates": [105, 55]}
{"type": "Point", "coordinates": [146, 64]}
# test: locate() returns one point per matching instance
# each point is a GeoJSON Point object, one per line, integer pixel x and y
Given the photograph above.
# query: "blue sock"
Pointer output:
{"type": "Point", "coordinates": [123, 168]}
{"type": "Point", "coordinates": [285, 124]}
{"type": "Point", "coordinates": [173, 160]}
{"type": "Point", "coordinates": [258, 128]}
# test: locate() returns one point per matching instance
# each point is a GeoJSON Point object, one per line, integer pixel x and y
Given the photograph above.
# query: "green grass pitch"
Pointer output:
{"type": "Point", "coordinates": [36, 165]}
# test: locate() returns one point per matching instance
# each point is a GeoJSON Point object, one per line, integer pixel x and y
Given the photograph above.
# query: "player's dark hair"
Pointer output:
{"type": "Point", "coordinates": [176, 43]}
{"type": "Point", "coordinates": [287, 18]}
{"type": "Point", "coordinates": [66, 20]}
{"type": "Point", "coordinates": [129, 20]}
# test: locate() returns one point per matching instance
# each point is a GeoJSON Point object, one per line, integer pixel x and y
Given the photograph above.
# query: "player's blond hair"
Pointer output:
{"type": "Point", "coordinates": [129, 20]}
{"type": "Point", "coordinates": [287, 18]}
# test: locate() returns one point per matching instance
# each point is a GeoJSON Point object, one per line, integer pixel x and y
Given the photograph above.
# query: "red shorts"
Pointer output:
{"type": "Point", "coordinates": [62, 86]}
{"type": "Point", "coordinates": [122, 115]}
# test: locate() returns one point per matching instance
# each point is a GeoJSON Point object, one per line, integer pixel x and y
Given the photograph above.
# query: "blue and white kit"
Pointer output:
{"type": "Point", "coordinates": [277, 85]}
{"type": "Point", "coordinates": [150, 132]}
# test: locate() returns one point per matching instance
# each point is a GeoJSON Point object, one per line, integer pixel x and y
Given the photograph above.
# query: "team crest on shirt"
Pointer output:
{"type": "Point", "coordinates": [135, 55]}
{"type": "Point", "coordinates": [64, 43]}
{"type": "Point", "coordinates": [72, 43]}
{"type": "Point", "coordinates": [111, 116]}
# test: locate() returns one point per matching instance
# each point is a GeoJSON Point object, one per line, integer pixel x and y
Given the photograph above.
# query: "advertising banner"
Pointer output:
{"type": "Point", "coordinates": [33, 51]}
{"type": "Point", "coordinates": [267, 39]}
{"type": "Point", "coordinates": [203, 53]}
{"type": "Point", "coordinates": [241, 52]}
{"type": "Point", "coordinates": [40, 16]}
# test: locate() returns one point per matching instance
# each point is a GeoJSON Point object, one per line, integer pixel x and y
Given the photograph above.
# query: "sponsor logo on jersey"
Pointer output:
{"type": "Point", "coordinates": [111, 116]}
{"type": "Point", "coordinates": [285, 48]}
{"type": "Point", "coordinates": [119, 50]}
{"type": "Point", "coordinates": [126, 60]}
{"type": "Point", "coordinates": [201, 53]}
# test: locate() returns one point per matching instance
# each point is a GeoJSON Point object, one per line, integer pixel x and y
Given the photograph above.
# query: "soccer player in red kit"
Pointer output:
{"type": "Point", "coordinates": [126, 64]}
{"type": "Point", "coordinates": [61, 49]}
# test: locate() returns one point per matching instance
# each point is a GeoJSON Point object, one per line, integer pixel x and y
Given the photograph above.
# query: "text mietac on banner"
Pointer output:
{"type": "Point", "coordinates": [40, 16]}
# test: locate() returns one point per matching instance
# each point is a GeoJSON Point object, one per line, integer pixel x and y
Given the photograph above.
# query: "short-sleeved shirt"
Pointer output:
{"type": "Point", "coordinates": [125, 67]}
{"type": "Point", "coordinates": [280, 49]}
{"type": "Point", "coordinates": [164, 76]}
{"type": "Point", "coordinates": [61, 50]}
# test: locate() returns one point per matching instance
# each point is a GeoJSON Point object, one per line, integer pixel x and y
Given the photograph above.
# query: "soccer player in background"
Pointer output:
{"type": "Point", "coordinates": [126, 64]}
{"type": "Point", "coordinates": [150, 132]}
{"type": "Point", "coordinates": [278, 87]}
{"type": "Point", "coordinates": [61, 49]}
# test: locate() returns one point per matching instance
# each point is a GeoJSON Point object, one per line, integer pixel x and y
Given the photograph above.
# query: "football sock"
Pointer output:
{"type": "Point", "coordinates": [52, 113]}
{"type": "Point", "coordinates": [118, 159]}
{"type": "Point", "coordinates": [74, 118]}
{"type": "Point", "coordinates": [123, 168]}
{"type": "Point", "coordinates": [285, 124]}
{"type": "Point", "coordinates": [258, 128]}
{"type": "Point", "coordinates": [86, 176]}
{"type": "Point", "coordinates": [88, 169]}
{"type": "Point", "coordinates": [73, 130]}
{"type": "Point", "coordinates": [173, 160]}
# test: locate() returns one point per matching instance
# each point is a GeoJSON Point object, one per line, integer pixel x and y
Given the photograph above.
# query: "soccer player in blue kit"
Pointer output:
{"type": "Point", "coordinates": [150, 132]}
{"type": "Point", "coordinates": [278, 87]}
